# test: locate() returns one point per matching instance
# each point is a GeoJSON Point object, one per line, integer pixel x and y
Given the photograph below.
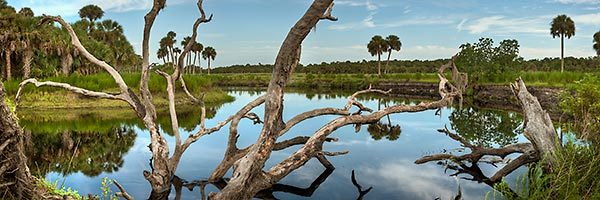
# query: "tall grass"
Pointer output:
{"type": "Point", "coordinates": [574, 176]}
{"type": "Point", "coordinates": [104, 82]}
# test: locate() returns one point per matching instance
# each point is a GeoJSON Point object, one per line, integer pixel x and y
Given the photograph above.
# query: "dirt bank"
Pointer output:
{"type": "Point", "coordinates": [486, 96]}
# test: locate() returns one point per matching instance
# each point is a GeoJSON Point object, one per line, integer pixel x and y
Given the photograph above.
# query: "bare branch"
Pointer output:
{"type": "Point", "coordinates": [83, 51]}
{"type": "Point", "coordinates": [172, 111]}
{"type": "Point", "coordinates": [5, 144]}
{"type": "Point", "coordinates": [361, 192]}
{"type": "Point", "coordinates": [73, 89]}
{"type": "Point", "coordinates": [327, 14]}
{"type": "Point", "coordinates": [188, 47]}
{"type": "Point", "coordinates": [122, 192]}
{"type": "Point", "coordinates": [315, 142]}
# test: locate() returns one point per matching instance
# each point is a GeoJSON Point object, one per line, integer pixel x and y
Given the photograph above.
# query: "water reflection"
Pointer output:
{"type": "Point", "coordinates": [90, 153]}
{"type": "Point", "coordinates": [382, 153]}
{"type": "Point", "coordinates": [179, 184]}
{"type": "Point", "coordinates": [487, 127]}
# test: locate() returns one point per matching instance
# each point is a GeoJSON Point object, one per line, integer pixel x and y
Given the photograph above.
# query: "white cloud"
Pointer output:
{"type": "Point", "coordinates": [589, 19]}
{"type": "Point", "coordinates": [428, 52]}
{"type": "Point", "coordinates": [369, 22]}
{"type": "Point", "coordinates": [501, 24]}
{"type": "Point", "coordinates": [370, 6]}
{"type": "Point", "coordinates": [365, 23]}
{"type": "Point", "coordinates": [460, 25]}
{"type": "Point", "coordinates": [540, 52]}
{"type": "Point", "coordinates": [71, 7]}
{"type": "Point", "coordinates": [424, 181]}
{"type": "Point", "coordinates": [578, 1]}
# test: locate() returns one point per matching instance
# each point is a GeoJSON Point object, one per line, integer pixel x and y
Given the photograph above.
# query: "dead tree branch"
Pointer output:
{"type": "Point", "coordinates": [361, 192]}
{"type": "Point", "coordinates": [123, 193]}
{"type": "Point", "coordinates": [538, 129]}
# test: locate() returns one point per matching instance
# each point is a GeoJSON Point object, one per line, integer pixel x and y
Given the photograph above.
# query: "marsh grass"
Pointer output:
{"type": "Point", "coordinates": [574, 176]}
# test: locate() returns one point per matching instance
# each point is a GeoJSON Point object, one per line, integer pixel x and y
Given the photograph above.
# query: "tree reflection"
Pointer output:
{"type": "Point", "coordinates": [88, 152]}
{"type": "Point", "coordinates": [380, 129]}
{"type": "Point", "coordinates": [486, 127]}
{"type": "Point", "coordinates": [179, 184]}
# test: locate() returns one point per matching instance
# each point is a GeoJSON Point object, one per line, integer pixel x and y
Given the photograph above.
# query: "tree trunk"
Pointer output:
{"type": "Point", "coordinates": [194, 64]}
{"type": "Point", "coordinates": [379, 64]}
{"type": "Point", "coordinates": [562, 53]}
{"type": "Point", "coordinates": [27, 58]}
{"type": "Point", "coordinates": [14, 170]}
{"type": "Point", "coordinates": [248, 175]}
{"type": "Point", "coordinates": [7, 67]}
{"type": "Point", "coordinates": [66, 62]}
{"type": "Point", "coordinates": [387, 65]}
{"type": "Point", "coordinates": [208, 66]}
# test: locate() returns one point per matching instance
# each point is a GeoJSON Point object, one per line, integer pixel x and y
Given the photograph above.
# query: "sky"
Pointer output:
{"type": "Point", "coordinates": [251, 31]}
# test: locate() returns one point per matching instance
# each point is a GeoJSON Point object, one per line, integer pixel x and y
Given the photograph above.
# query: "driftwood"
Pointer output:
{"type": "Point", "coordinates": [249, 176]}
{"type": "Point", "coordinates": [539, 130]}
{"type": "Point", "coordinates": [163, 165]}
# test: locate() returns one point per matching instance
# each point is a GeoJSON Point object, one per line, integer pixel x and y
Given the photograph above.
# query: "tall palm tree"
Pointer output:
{"type": "Point", "coordinates": [92, 13]}
{"type": "Point", "coordinates": [377, 46]}
{"type": "Point", "coordinates": [394, 44]}
{"type": "Point", "coordinates": [188, 57]}
{"type": "Point", "coordinates": [562, 26]}
{"type": "Point", "coordinates": [597, 43]}
{"type": "Point", "coordinates": [162, 54]}
{"type": "Point", "coordinates": [209, 53]}
{"type": "Point", "coordinates": [176, 52]}
{"type": "Point", "coordinates": [197, 48]}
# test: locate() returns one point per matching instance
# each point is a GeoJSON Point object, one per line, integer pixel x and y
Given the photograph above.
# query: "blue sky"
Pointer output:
{"type": "Point", "coordinates": [251, 31]}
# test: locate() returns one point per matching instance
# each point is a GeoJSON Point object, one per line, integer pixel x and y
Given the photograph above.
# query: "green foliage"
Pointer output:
{"type": "Point", "coordinates": [49, 47]}
{"type": "Point", "coordinates": [54, 189]}
{"type": "Point", "coordinates": [483, 60]}
{"type": "Point", "coordinates": [107, 194]}
{"type": "Point", "coordinates": [581, 102]}
{"type": "Point", "coordinates": [486, 127]}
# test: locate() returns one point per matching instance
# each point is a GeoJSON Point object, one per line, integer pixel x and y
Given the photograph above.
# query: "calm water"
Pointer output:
{"type": "Point", "coordinates": [80, 153]}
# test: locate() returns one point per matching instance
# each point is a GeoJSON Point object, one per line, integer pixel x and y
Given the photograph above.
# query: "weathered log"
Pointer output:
{"type": "Point", "coordinates": [17, 181]}
{"type": "Point", "coordinates": [539, 130]}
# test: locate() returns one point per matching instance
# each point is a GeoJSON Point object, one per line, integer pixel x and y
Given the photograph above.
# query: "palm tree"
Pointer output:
{"type": "Point", "coordinates": [377, 46]}
{"type": "Point", "coordinates": [197, 48]}
{"type": "Point", "coordinates": [176, 52]}
{"type": "Point", "coordinates": [209, 53]}
{"type": "Point", "coordinates": [188, 57]}
{"type": "Point", "coordinates": [394, 44]}
{"type": "Point", "coordinates": [92, 13]}
{"type": "Point", "coordinates": [562, 26]}
{"type": "Point", "coordinates": [597, 43]}
{"type": "Point", "coordinates": [162, 54]}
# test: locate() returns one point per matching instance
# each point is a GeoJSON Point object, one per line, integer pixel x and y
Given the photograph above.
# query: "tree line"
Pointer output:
{"type": "Point", "coordinates": [169, 53]}
{"type": "Point", "coordinates": [31, 49]}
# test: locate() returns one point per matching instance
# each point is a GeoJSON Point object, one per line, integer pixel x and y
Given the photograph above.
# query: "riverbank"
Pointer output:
{"type": "Point", "coordinates": [490, 92]}
{"type": "Point", "coordinates": [494, 96]}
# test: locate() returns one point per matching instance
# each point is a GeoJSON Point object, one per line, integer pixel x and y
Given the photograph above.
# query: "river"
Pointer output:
{"type": "Point", "coordinates": [79, 148]}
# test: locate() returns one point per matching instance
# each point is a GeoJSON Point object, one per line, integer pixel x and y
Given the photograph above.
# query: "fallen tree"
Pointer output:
{"type": "Point", "coordinates": [248, 164]}
{"type": "Point", "coordinates": [539, 130]}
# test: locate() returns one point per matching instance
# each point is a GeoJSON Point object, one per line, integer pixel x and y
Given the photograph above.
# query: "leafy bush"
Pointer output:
{"type": "Point", "coordinates": [581, 102]}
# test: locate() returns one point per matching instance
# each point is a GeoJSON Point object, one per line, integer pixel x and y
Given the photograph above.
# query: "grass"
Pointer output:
{"type": "Point", "coordinates": [574, 176]}
{"type": "Point", "coordinates": [48, 97]}
{"type": "Point", "coordinates": [53, 98]}
{"type": "Point", "coordinates": [52, 188]}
